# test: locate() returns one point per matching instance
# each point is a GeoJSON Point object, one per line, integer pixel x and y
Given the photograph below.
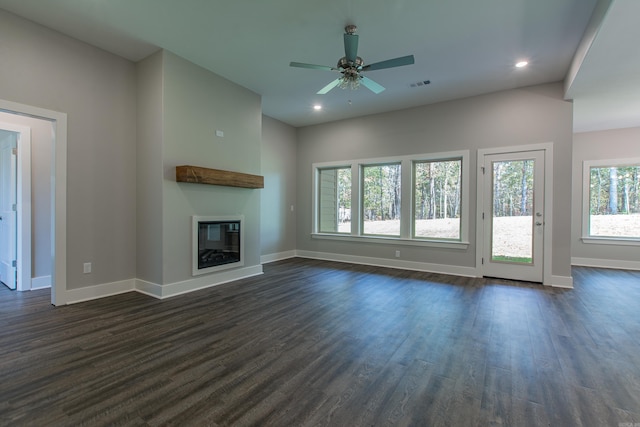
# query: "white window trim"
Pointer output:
{"type": "Point", "coordinates": [406, 201]}
{"type": "Point", "coordinates": [391, 240]}
{"type": "Point", "coordinates": [619, 241]}
{"type": "Point", "coordinates": [586, 197]}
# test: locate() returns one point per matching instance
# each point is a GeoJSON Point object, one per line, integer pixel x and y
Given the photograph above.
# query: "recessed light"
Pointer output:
{"type": "Point", "coordinates": [317, 107]}
{"type": "Point", "coordinates": [521, 64]}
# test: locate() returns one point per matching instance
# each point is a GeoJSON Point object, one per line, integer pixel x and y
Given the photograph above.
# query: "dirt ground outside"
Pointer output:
{"type": "Point", "coordinates": [512, 235]}
{"type": "Point", "coordinates": [615, 225]}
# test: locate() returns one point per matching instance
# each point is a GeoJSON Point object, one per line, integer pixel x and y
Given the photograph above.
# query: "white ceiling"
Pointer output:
{"type": "Point", "coordinates": [606, 91]}
{"type": "Point", "coordinates": [464, 47]}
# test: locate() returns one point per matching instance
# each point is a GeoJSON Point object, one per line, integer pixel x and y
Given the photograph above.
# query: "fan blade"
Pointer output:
{"type": "Point", "coordinates": [330, 86]}
{"type": "Point", "coordinates": [351, 47]}
{"type": "Point", "coordinates": [312, 66]}
{"type": "Point", "coordinates": [371, 85]}
{"type": "Point", "coordinates": [390, 63]}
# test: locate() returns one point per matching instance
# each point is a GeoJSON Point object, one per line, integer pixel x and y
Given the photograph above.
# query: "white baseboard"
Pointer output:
{"type": "Point", "coordinates": [265, 259]}
{"type": "Point", "coordinates": [41, 282]}
{"type": "Point", "coordinates": [178, 288]}
{"type": "Point", "coordinates": [148, 288]}
{"type": "Point", "coordinates": [384, 262]}
{"type": "Point", "coordinates": [606, 263]}
{"type": "Point", "coordinates": [99, 291]}
{"type": "Point", "coordinates": [561, 282]}
{"type": "Point", "coordinates": [159, 291]}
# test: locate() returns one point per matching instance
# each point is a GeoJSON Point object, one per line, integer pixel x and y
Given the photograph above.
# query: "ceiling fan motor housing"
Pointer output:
{"type": "Point", "coordinates": [345, 64]}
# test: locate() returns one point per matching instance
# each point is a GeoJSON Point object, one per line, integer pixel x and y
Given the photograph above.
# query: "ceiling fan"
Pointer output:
{"type": "Point", "coordinates": [351, 66]}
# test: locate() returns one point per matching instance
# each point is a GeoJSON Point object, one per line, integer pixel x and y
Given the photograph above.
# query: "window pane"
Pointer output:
{"type": "Point", "coordinates": [334, 200]}
{"type": "Point", "coordinates": [614, 207]}
{"type": "Point", "coordinates": [381, 199]}
{"type": "Point", "coordinates": [437, 199]}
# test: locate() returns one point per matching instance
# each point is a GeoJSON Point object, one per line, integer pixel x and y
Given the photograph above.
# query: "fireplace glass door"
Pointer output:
{"type": "Point", "coordinates": [218, 243]}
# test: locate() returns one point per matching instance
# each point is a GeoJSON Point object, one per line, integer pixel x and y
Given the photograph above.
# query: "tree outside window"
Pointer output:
{"type": "Point", "coordinates": [614, 201]}
{"type": "Point", "coordinates": [437, 199]}
{"type": "Point", "coordinates": [381, 199]}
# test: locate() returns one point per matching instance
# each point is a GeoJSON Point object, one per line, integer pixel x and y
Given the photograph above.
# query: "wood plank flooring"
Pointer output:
{"type": "Point", "coordinates": [320, 343]}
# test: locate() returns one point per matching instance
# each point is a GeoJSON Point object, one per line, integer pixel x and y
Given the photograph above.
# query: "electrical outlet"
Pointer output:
{"type": "Point", "coordinates": [397, 254]}
{"type": "Point", "coordinates": [87, 267]}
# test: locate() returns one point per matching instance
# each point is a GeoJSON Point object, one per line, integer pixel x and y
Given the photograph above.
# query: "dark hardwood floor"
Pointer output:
{"type": "Point", "coordinates": [320, 343]}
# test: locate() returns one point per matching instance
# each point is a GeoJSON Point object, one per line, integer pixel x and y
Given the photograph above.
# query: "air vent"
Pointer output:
{"type": "Point", "coordinates": [420, 83]}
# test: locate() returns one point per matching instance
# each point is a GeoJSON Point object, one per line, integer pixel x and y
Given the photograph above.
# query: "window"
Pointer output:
{"type": "Point", "coordinates": [381, 199]}
{"type": "Point", "coordinates": [437, 199]}
{"type": "Point", "coordinates": [611, 199]}
{"type": "Point", "coordinates": [421, 200]}
{"type": "Point", "coordinates": [334, 200]}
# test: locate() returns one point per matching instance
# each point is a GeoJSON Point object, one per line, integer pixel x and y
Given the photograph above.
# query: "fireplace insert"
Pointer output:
{"type": "Point", "coordinates": [219, 243]}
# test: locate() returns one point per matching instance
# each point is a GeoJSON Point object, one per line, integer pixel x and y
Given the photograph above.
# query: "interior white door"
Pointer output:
{"type": "Point", "coordinates": [513, 215]}
{"type": "Point", "coordinates": [8, 215]}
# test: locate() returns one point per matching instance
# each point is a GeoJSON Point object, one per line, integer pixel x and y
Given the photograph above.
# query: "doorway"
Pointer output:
{"type": "Point", "coordinates": [15, 206]}
{"type": "Point", "coordinates": [511, 205]}
{"type": "Point", "coordinates": [8, 208]}
{"type": "Point", "coordinates": [58, 217]}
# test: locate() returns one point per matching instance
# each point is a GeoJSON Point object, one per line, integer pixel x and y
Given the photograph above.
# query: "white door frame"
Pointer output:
{"type": "Point", "coordinates": [23, 202]}
{"type": "Point", "coordinates": [58, 193]}
{"type": "Point", "coordinates": [548, 203]}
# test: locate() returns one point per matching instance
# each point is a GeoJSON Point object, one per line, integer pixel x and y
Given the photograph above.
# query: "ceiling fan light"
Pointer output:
{"type": "Point", "coordinates": [349, 82]}
{"type": "Point", "coordinates": [350, 79]}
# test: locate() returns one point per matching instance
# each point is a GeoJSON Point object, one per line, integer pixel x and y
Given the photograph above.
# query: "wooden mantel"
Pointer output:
{"type": "Point", "coordinates": [200, 175]}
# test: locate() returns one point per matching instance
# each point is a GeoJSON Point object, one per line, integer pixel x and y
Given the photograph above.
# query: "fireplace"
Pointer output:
{"type": "Point", "coordinates": [218, 243]}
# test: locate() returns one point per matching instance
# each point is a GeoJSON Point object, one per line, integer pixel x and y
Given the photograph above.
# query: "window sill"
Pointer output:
{"type": "Point", "coordinates": [619, 241]}
{"type": "Point", "coordinates": [392, 241]}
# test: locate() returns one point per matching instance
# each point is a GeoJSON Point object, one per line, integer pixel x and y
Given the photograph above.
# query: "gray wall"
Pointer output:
{"type": "Point", "coordinates": [530, 115]}
{"type": "Point", "coordinates": [97, 90]}
{"type": "Point", "coordinates": [600, 145]}
{"type": "Point", "coordinates": [196, 103]}
{"type": "Point", "coordinates": [278, 221]}
{"type": "Point", "coordinates": [41, 145]}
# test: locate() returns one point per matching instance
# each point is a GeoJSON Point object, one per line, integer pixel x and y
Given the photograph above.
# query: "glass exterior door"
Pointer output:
{"type": "Point", "coordinates": [513, 215]}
